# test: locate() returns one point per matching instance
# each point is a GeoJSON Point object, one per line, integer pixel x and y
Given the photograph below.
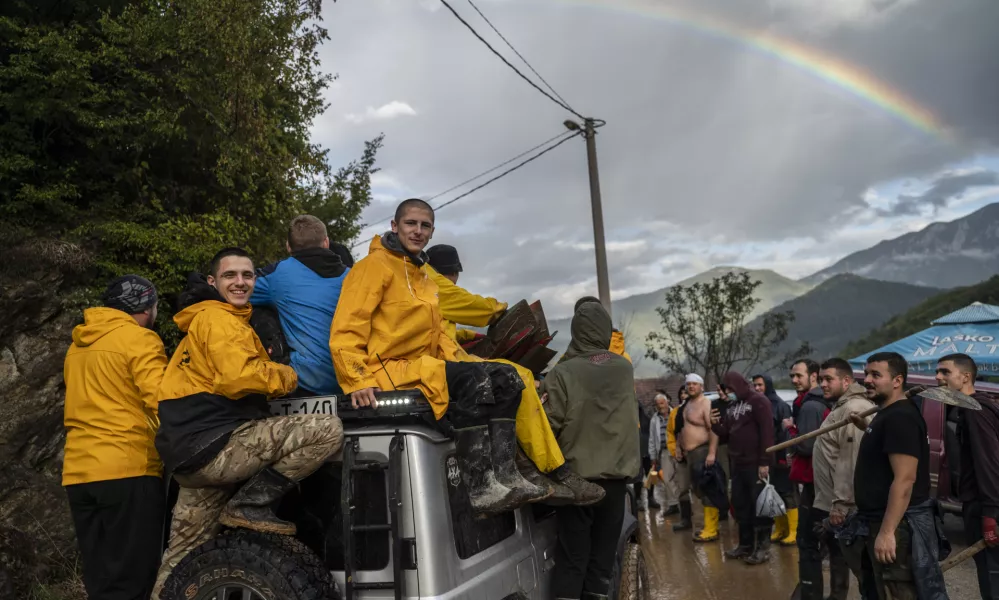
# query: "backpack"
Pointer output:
{"type": "Point", "coordinates": [267, 325]}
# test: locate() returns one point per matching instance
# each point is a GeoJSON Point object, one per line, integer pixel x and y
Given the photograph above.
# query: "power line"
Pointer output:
{"type": "Point", "coordinates": [566, 137]}
{"type": "Point", "coordinates": [519, 55]}
{"type": "Point", "coordinates": [508, 63]}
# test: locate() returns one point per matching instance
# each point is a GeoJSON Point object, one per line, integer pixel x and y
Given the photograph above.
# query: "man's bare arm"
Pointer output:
{"type": "Point", "coordinates": [904, 468]}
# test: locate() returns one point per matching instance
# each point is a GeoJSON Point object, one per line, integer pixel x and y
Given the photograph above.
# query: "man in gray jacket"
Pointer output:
{"type": "Point", "coordinates": [591, 406]}
{"type": "Point", "coordinates": [834, 458]}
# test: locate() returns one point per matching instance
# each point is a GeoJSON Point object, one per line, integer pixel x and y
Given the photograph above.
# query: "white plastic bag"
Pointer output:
{"type": "Point", "coordinates": [769, 504]}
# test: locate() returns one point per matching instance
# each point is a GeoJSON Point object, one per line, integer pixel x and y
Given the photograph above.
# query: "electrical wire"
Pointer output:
{"type": "Point", "coordinates": [508, 63]}
{"type": "Point", "coordinates": [519, 55]}
{"type": "Point", "coordinates": [565, 138]}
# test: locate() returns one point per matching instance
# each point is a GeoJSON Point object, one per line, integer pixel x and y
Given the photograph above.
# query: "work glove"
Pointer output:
{"type": "Point", "coordinates": [989, 532]}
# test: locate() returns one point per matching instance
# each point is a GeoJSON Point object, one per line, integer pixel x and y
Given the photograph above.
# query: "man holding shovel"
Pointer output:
{"type": "Point", "coordinates": [892, 484]}
{"type": "Point", "coordinates": [978, 487]}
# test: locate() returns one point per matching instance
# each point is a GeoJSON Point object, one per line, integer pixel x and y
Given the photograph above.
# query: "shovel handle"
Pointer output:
{"type": "Point", "coordinates": [820, 431]}
{"type": "Point", "coordinates": [962, 556]}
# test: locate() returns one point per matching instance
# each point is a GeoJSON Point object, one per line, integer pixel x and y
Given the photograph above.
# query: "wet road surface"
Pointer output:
{"type": "Point", "coordinates": [680, 569]}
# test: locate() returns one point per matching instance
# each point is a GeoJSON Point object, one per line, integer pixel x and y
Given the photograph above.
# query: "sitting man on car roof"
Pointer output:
{"type": "Point", "coordinates": [388, 333]}
{"type": "Point", "coordinates": [541, 453]}
{"type": "Point", "coordinates": [216, 430]}
{"type": "Point", "coordinates": [304, 289]}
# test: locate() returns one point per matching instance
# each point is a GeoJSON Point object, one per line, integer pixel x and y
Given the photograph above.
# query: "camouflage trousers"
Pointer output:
{"type": "Point", "coordinates": [295, 446]}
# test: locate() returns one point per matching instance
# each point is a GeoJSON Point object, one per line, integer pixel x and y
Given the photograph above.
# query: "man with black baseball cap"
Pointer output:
{"type": "Point", "coordinates": [111, 470]}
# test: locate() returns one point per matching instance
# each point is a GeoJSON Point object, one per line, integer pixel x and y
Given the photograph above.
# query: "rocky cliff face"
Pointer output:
{"type": "Point", "coordinates": [37, 541]}
{"type": "Point", "coordinates": [943, 255]}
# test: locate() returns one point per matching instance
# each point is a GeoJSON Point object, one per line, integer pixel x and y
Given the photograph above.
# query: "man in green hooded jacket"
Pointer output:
{"type": "Point", "coordinates": [591, 407]}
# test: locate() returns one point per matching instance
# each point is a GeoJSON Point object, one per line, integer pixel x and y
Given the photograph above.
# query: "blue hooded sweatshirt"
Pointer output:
{"type": "Point", "coordinates": [305, 289]}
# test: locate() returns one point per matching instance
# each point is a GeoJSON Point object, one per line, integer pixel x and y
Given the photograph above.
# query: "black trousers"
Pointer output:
{"type": "Point", "coordinates": [119, 528]}
{"type": "Point", "coordinates": [986, 561]}
{"type": "Point", "coordinates": [587, 543]}
{"type": "Point", "coordinates": [481, 392]}
{"type": "Point", "coordinates": [746, 488]}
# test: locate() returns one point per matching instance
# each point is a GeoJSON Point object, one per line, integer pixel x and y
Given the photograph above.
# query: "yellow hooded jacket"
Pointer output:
{"type": "Point", "coordinates": [389, 314]}
{"type": "Point", "coordinates": [617, 344]}
{"type": "Point", "coordinates": [219, 378]}
{"type": "Point", "coordinates": [112, 372]}
{"type": "Point", "coordinates": [671, 432]}
{"type": "Point", "coordinates": [461, 307]}
{"type": "Point", "coordinates": [534, 432]}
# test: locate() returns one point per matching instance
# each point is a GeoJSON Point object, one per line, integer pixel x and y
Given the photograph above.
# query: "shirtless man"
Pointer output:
{"type": "Point", "coordinates": [697, 447]}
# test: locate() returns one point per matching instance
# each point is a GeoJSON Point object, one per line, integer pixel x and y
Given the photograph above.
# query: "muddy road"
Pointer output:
{"type": "Point", "coordinates": [679, 569]}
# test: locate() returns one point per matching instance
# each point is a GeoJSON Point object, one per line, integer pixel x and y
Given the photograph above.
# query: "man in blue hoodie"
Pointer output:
{"type": "Point", "coordinates": [304, 290]}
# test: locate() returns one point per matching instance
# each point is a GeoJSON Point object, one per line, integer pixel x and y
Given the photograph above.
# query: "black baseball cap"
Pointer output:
{"type": "Point", "coordinates": [444, 259]}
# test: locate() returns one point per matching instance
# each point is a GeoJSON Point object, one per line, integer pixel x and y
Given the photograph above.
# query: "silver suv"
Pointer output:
{"type": "Point", "coordinates": [389, 517]}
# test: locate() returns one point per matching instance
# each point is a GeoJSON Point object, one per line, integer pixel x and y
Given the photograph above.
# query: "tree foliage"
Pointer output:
{"type": "Point", "coordinates": [154, 132]}
{"type": "Point", "coordinates": [704, 329]}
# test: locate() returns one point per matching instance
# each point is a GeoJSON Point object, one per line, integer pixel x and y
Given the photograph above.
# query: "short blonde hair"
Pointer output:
{"type": "Point", "coordinates": [305, 232]}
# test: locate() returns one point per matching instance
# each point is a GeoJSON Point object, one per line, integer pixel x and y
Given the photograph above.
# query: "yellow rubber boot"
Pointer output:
{"type": "Point", "coordinates": [780, 529]}
{"type": "Point", "coordinates": [710, 531]}
{"type": "Point", "coordinates": [792, 525]}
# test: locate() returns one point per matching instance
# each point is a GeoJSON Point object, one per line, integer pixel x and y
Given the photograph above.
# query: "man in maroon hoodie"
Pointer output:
{"type": "Point", "coordinates": [747, 426]}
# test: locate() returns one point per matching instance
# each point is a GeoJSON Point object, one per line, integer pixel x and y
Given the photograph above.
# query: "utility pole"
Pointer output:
{"type": "Point", "coordinates": [590, 134]}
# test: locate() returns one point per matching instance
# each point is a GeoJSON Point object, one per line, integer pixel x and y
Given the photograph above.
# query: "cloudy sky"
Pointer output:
{"type": "Point", "coordinates": [777, 134]}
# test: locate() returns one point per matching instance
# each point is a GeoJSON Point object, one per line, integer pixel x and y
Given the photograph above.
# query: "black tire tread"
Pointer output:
{"type": "Point", "coordinates": [304, 575]}
{"type": "Point", "coordinates": [634, 583]}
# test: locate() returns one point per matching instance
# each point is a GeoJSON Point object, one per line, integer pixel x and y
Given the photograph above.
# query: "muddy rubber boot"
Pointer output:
{"type": "Point", "coordinates": [252, 507]}
{"type": "Point", "coordinates": [487, 495]}
{"type": "Point", "coordinates": [503, 438]}
{"type": "Point", "coordinates": [686, 512]}
{"type": "Point", "coordinates": [652, 498]}
{"type": "Point", "coordinates": [761, 553]}
{"type": "Point", "coordinates": [791, 539]}
{"type": "Point", "coordinates": [584, 493]}
{"type": "Point", "coordinates": [746, 543]}
{"type": "Point", "coordinates": [710, 531]}
{"type": "Point", "coordinates": [672, 510]}
{"type": "Point", "coordinates": [560, 496]}
{"type": "Point", "coordinates": [780, 529]}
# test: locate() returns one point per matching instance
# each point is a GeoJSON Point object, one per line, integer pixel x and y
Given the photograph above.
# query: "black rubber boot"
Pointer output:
{"type": "Point", "coordinates": [746, 545]}
{"type": "Point", "coordinates": [503, 438]}
{"type": "Point", "coordinates": [761, 552]}
{"type": "Point", "coordinates": [584, 493]}
{"type": "Point", "coordinates": [487, 495]}
{"type": "Point", "coordinates": [560, 495]}
{"type": "Point", "coordinates": [652, 499]}
{"type": "Point", "coordinates": [672, 510]}
{"type": "Point", "coordinates": [685, 515]}
{"type": "Point", "coordinates": [252, 507]}
{"type": "Point", "coordinates": [639, 490]}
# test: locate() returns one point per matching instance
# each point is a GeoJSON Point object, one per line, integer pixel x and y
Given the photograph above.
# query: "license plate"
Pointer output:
{"type": "Point", "coordinates": [304, 406]}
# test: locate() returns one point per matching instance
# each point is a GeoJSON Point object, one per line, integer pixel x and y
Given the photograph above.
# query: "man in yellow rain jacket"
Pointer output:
{"type": "Point", "coordinates": [388, 333]}
{"type": "Point", "coordinates": [541, 453]}
{"type": "Point", "coordinates": [111, 471]}
{"type": "Point", "coordinates": [216, 428]}
{"type": "Point", "coordinates": [461, 307]}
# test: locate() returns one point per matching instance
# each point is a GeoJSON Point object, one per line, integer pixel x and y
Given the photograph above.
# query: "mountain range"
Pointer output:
{"type": "Point", "coordinates": [845, 301]}
{"type": "Point", "coordinates": [942, 255]}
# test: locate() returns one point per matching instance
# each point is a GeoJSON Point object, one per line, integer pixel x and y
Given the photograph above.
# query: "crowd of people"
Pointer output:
{"type": "Point", "coordinates": [859, 495]}
{"type": "Point", "coordinates": [387, 322]}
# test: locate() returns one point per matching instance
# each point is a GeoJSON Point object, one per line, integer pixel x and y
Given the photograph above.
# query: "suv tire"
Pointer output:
{"type": "Point", "coordinates": [260, 566]}
{"type": "Point", "coordinates": [634, 583]}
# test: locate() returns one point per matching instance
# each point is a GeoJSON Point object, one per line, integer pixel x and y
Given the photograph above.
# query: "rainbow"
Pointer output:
{"type": "Point", "coordinates": [828, 68]}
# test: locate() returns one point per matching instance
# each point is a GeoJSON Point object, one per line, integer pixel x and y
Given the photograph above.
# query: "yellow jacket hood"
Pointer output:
{"type": "Point", "coordinates": [97, 323]}
{"type": "Point", "coordinates": [617, 344]}
{"type": "Point", "coordinates": [185, 317]}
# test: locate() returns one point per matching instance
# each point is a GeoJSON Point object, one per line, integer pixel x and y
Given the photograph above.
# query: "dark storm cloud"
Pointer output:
{"type": "Point", "coordinates": [947, 187]}
{"type": "Point", "coordinates": [711, 139]}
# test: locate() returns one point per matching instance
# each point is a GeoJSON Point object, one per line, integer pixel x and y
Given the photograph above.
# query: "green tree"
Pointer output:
{"type": "Point", "coordinates": [153, 132]}
{"type": "Point", "coordinates": [704, 329]}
